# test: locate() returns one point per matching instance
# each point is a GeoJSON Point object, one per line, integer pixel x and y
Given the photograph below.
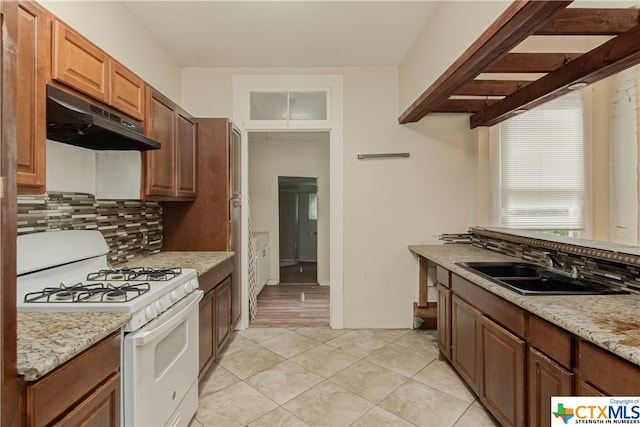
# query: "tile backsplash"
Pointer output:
{"type": "Point", "coordinates": [130, 227]}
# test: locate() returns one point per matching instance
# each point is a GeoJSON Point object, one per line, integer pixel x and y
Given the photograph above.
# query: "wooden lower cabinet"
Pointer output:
{"type": "Point", "coordinates": [62, 397]}
{"type": "Point", "coordinates": [223, 311]}
{"type": "Point", "coordinates": [207, 334]}
{"type": "Point", "coordinates": [465, 324]}
{"type": "Point", "coordinates": [502, 380]}
{"type": "Point", "coordinates": [444, 320]}
{"type": "Point", "coordinates": [546, 379]}
{"type": "Point", "coordinates": [600, 372]}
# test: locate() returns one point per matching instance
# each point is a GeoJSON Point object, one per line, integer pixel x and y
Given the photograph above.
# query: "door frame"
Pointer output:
{"type": "Point", "coordinates": [242, 85]}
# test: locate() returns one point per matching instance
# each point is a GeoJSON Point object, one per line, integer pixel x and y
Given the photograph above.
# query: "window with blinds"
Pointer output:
{"type": "Point", "coordinates": [542, 170]}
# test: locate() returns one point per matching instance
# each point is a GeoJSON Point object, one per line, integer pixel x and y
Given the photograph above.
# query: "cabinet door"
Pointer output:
{"type": "Point", "coordinates": [444, 320]}
{"type": "Point", "coordinates": [79, 63]}
{"type": "Point", "coordinates": [100, 409]}
{"type": "Point", "coordinates": [465, 324]}
{"type": "Point", "coordinates": [546, 379]}
{"type": "Point", "coordinates": [33, 54]}
{"type": "Point", "coordinates": [503, 373]}
{"type": "Point", "coordinates": [207, 331]}
{"type": "Point", "coordinates": [127, 91]}
{"type": "Point", "coordinates": [159, 164]}
{"type": "Point", "coordinates": [186, 147]}
{"type": "Point", "coordinates": [223, 312]}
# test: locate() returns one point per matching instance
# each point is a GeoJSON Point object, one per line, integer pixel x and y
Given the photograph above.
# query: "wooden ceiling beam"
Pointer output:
{"type": "Point", "coordinates": [591, 22]}
{"type": "Point", "coordinates": [490, 87]}
{"type": "Point", "coordinates": [605, 60]}
{"type": "Point", "coordinates": [462, 105]}
{"type": "Point", "coordinates": [516, 23]}
{"type": "Point", "coordinates": [531, 62]}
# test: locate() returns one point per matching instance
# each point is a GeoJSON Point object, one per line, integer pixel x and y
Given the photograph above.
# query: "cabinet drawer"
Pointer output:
{"type": "Point", "coordinates": [443, 276]}
{"type": "Point", "coordinates": [551, 340]}
{"type": "Point", "coordinates": [54, 394]}
{"type": "Point", "coordinates": [606, 372]}
{"type": "Point", "coordinates": [490, 305]}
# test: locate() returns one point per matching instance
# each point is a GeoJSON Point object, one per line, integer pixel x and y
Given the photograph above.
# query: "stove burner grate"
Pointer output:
{"type": "Point", "coordinates": [136, 273]}
{"type": "Point", "coordinates": [92, 292]}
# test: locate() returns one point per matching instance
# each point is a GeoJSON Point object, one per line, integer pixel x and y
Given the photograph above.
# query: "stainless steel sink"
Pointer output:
{"type": "Point", "coordinates": [531, 279]}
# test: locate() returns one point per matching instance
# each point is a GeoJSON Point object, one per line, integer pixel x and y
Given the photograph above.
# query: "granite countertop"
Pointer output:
{"type": "Point", "coordinates": [202, 261]}
{"type": "Point", "coordinates": [46, 340]}
{"type": "Point", "coordinates": [608, 321]}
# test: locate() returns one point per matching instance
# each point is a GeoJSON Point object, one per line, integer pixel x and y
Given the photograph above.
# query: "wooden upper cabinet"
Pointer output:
{"type": "Point", "coordinates": [127, 91]}
{"type": "Point", "coordinates": [79, 63]}
{"type": "Point", "coordinates": [32, 63]}
{"type": "Point", "coordinates": [186, 155]}
{"type": "Point", "coordinates": [170, 172]}
{"type": "Point", "coordinates": [159, 164]}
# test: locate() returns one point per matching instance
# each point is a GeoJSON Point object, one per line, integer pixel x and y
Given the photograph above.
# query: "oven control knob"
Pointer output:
{"type": "Point", "coordinates": [150, 312]}
{"type": "Point", "coordinates": [175, 296]}
{"type": "Point", "coordinates": [160, 306]}
{"type": "Point", "coordinates": [188, 287]}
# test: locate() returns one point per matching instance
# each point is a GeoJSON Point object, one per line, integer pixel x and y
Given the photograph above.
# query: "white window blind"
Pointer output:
{"type": "Point", "coordinates": [542, 166]}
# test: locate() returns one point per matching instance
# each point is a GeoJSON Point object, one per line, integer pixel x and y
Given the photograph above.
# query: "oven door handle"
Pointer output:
{"type": "Point", "coordinates": [182, 308]}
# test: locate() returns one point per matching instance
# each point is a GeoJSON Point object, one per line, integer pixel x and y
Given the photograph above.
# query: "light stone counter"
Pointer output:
{"type": "Point", "coordinates": [202, 261]}
{"type": "Point", "coordinates": [608, 321]}
{"type": "Point", "coordinates": [47, 340]}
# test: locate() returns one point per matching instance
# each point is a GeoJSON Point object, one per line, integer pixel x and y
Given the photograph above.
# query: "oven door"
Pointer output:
{"type": "Point", "coordinates": [160, 367]}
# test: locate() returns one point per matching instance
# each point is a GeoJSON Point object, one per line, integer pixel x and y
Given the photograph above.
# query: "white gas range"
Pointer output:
{"type": "Point", "coordinates": [68, 271]}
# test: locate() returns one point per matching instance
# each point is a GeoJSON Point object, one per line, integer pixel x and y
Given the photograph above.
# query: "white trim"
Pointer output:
{"type": "Point", "coordinates": [241, 85]}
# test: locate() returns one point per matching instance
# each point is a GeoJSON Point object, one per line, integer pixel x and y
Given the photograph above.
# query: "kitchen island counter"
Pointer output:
{"type": "Point", "coordinates": [608, 321]}
{"type": "Point", "coordinates": [46, 340]}
{"type": "Point", "coordinates": [201, 261]}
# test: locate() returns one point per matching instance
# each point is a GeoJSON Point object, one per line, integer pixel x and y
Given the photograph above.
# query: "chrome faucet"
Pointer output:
{"type": "Point", "coordinates": [559, 267]}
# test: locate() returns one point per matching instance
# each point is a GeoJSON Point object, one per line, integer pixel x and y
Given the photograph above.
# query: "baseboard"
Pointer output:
{"type": "Point", "coordinates": [324, 283]}
{"type": "Point", "coordinates": [272, 282]}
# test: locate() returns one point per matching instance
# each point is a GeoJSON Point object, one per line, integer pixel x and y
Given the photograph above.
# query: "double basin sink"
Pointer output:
{"type": "Point", "coordinates": [531, 279]}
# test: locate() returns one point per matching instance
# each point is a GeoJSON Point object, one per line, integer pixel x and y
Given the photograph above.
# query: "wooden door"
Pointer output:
{"type": "Point", "coordinates": [159, 164]}
{"type": "Point", "coordinates": [186, 152]}
{"type": "Point", "coordinates": [127, 91]}
{"type": "Point", "coordinates": [79, 63]}
{"type": "Point", "coordinates": [444, 320]}
{"type": "Point", "coordinates": [465, 325]}
{"type": "Point", "coordinates": [546, 379]}
{"type": "Point", "coordinates": [503, 373]}
{"type": "Point", "coordinates": [33, 56]}
{"type": "Point", "coordinates": [100, 409]}
{"type": "Point", "coordinates": [8, 334]}
{"type": "Point", "coordinates": [223, 312]}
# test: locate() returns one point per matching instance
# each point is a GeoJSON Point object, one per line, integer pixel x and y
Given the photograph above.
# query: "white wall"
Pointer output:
{"type": "Point", "coordinates": [288, 154]}
{"type": "Point", "coordinates": [110, 26]}
{"type": "Point", "coordinates": [389, 203]}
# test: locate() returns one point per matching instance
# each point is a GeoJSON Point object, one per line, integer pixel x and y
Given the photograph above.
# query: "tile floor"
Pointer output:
{"type": "Point", "coordinates": [324, 377]}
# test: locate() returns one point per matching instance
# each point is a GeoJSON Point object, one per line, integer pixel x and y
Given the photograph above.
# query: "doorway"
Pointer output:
{"type": "Point", "coordinates": [298, 229]}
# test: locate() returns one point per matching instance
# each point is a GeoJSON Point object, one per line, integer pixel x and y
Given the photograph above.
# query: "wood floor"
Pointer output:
{"type": "Point", "coordinates": [280, 306]}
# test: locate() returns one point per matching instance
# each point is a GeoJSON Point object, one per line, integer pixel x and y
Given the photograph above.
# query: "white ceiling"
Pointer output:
{"type": "Point", "coordinates": [352, 33]}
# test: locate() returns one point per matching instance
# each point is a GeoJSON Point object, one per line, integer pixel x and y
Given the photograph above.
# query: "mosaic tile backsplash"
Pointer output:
{"type": "Point", "coordinates": [612, 269]}
{"type": "Point", "coordinates": [130, 227]}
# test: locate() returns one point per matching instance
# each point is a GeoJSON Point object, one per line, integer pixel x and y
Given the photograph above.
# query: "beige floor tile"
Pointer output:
{"type": "Point", "coordinates": [385, 334]}
{"type": "Point", "coordinates": [290, 344]}
{"type": "Point", "coordinates": [476, 416]}
{"type": "Point", "coordinates": [370, 381]}
{"type": "Point", "coordinates": [399, 359]}
{"type": "Point", "coordinates": [440, 375]}
{"type": "Point", "coordinates": [325, 360]}
{"type": "Point", "coordinates": [321, 334]}
{"type": "Point", "coordinates": [420, 341]}
{"type": "Point", "coordinates": [378, 417]}
{"type": "Point", "coordinates": [235, 344]}
{"type": "Point", "coordinates": [244, 364]}
{"type": "Point", "coordinates": [216, 379]}
{"type": "Point", "coordinates": [278, 417]}
{"type": "Point", "coordinates": [328, 404]}
{"type": "Point", "coordinates": [262, 334]}
{"type": "Point", "coordinates": [357, 343]}
{"type": "Point", "coordinates": [424, 405]}
{"type": "Point", "coordinates": [284, 381]}
{"type": "Point", "coordinates": [195, 423]}
{"type": "Point", "coordinates": [237, 405]}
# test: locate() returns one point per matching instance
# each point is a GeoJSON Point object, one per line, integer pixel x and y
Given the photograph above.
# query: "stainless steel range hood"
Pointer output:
{"type": "Point", "coordinates": [77, 122]}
